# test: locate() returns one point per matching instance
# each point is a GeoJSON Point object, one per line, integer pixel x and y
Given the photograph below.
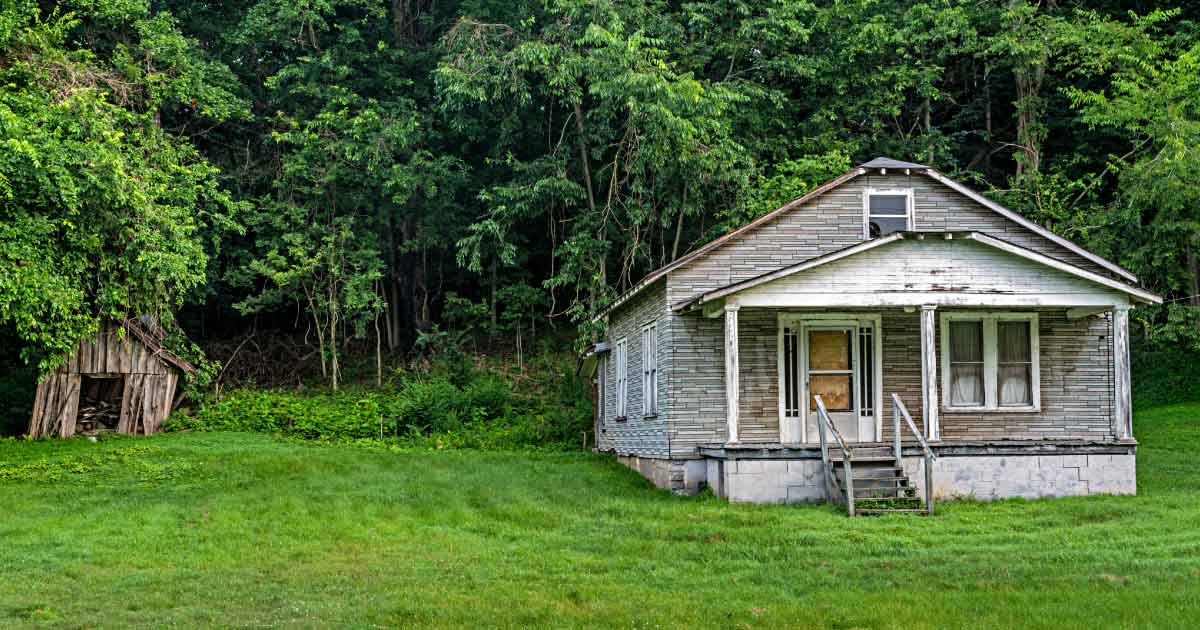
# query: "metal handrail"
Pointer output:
{"type": "Point", "coordinates": [824, 421]}
{"type": "Point", "coordinates": [900, 411]}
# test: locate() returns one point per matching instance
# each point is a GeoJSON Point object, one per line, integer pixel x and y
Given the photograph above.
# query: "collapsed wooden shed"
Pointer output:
{"type": "Point", "coordinates": [122, 383]}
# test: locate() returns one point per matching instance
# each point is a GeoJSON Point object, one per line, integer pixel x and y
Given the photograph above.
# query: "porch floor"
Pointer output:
{"type": "Point", "coordinates": [910, 448]}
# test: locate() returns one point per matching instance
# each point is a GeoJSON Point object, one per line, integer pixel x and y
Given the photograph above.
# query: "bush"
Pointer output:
{"type": "Point", "coordinates": [1162, 377]}
{"type": "Point", "coordinates": [442, 407]}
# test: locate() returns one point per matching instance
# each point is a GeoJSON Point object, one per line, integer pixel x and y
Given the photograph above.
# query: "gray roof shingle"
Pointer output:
{"type": "Point", "coordinates": [887, 162]}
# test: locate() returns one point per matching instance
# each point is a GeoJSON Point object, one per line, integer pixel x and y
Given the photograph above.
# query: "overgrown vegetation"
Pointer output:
{"type": "Point", "coordinates": [280, 532]}
{"type": "Point", "coordinates": [452, 404]}
{"type": "Point", "coordinates": [356, 177]}
{"type": "Point", "coordinates": [1163, 377]}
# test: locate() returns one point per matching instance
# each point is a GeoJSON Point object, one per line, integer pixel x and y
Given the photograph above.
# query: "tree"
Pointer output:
{"type": "Point", "coordinates": [103, 211]}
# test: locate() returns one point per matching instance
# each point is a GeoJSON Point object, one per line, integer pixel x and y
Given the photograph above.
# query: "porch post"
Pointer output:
{"type": "Point", "coordinates": [1122, 405]}
{"type": "Point", "coordinates": [731, 370]}
{"type": "Point", "coordinates": [929, 393]}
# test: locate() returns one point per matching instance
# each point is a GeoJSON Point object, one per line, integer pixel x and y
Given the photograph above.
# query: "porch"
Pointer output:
{"type": "Point", "coordinates": [1048, 415]}
{"type": "Point", "coordinates": [1062, 376]}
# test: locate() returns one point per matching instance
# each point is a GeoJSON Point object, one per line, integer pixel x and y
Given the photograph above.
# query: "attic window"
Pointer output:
{"type": "Point", "coordinates": [887, 211]}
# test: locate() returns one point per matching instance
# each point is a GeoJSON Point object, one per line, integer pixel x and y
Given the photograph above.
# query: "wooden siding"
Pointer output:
{"type": "Point", "coordinates": [638, 434]}
{"type": "Point", "coordinates": [951, 269]}
{"type": "Point", "coordinates": [1075, 370]}
{"type": "Point", "coordinates": [834, 221]}
{"type": "Point", "coordinates": [148, 394]}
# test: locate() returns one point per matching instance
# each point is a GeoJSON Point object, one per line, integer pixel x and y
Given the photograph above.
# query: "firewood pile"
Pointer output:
{"type": "Point", "coordinates": [98, 416]}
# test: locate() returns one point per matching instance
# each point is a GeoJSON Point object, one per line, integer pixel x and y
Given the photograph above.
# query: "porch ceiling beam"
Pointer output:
{"type": "Point", "coordinates": [938, 298]}
{"type": "Point", "coordinates": [1082, 312]}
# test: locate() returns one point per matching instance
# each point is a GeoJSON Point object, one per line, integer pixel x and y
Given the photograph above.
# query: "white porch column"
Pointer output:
{"type": "Point", "coordinates": [1122, 404]}
{"type": "Point", "coordinates": [929, 393]}
{"type": "Point", "coordinates": [731, 370]}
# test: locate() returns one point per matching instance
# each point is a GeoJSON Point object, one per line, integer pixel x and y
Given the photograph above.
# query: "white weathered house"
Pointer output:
{"type": "Point", "coordinates": [889, 332]}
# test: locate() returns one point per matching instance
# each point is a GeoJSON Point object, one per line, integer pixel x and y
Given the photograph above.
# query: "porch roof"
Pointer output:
{"type": "Point", "coordinates": [720, 294]}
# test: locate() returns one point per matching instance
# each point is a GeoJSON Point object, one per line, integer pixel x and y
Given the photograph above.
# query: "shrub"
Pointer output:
{"type": "Point", "coordinates": [442, 407]}
{"type": "Point", "coordinates": [1163, 377]}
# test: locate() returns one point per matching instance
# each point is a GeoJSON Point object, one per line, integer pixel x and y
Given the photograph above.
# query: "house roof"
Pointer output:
{"type": "Point", "coordinates": [862, 169]}
{"type": "Point", "coordinates": [887, 162]}
{"type": "Point", "coordinates": [858, 248]}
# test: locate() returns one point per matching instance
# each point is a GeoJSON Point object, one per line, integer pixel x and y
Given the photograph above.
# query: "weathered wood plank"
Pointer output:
{"type": "Point", "coordinates": [69, 409]}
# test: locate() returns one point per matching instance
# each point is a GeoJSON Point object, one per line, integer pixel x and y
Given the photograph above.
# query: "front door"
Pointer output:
{"type": "Point", "coordinates": [837, 357]}
{"type": "Point", "coordinates": [831, 362]}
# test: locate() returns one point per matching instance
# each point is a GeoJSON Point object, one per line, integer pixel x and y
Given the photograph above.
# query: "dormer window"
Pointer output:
{"type": "Point", "coordinates": [887, 211]}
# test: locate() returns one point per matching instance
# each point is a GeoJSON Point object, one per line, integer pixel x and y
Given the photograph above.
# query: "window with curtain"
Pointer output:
{"type": "Point", "coordinates": [650, 370]}
{"type": "Point", "coordinates": [966, 364]}
{"type": "Point", "coordinates": [990, 361]}
{"type": "Point", "coordinates": [1014, 364]}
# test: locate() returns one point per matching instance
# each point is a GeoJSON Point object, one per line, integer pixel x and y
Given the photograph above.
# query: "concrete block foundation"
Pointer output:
{"type": "Point", "coordinates": [980, 477]}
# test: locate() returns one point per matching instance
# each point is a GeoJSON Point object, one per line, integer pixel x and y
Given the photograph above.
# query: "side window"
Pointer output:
{"type": "Point", "coordinates": [887, 211]}
{"type": "Point", "coordinates": [650, 370]}
{"type": "Point", "coordinates": [622, 359]}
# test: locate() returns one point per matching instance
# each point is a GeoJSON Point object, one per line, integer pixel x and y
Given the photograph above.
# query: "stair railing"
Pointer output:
{"type": "Point", "coordinates": [825, 424]}
{"type": "Point", "coordinates": [900, 411]}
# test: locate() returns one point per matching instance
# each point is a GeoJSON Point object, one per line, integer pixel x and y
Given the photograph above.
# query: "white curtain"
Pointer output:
{"type": "Point", "coordinates": [1012, 339]}
{"type": "Point", "coordinates": [966, 364]}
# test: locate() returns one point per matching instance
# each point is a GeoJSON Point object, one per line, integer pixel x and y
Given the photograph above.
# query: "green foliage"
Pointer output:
{"type": "Point", "coordinates": [1164, 376]}
{"type": "Point", "coordinates": [103, 212]}
{"type": "Point", "coordinates": [444, 407]}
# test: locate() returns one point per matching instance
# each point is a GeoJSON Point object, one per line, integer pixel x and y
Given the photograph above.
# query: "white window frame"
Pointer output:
{"type": "Point", "coordinates": [650, 369]}
{"type": "Point", "coordinates": [991, 361]}
{"type": "Point", "coordinates": [621, 357]}
{"type": "Point", "coordinates": [910, 211]}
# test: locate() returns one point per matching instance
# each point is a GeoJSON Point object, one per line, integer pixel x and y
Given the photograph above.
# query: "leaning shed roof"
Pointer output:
{"type": "Point", "coordinates": [879, 163]}
{"type": "Point", "coordinates": [152, 336]}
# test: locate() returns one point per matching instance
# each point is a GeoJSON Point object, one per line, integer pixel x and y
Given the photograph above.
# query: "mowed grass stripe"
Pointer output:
{"type": "Point", "coordinates": [248, 531]}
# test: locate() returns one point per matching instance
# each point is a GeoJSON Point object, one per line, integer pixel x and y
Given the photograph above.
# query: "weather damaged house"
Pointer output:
{"type": "Point", "coordinates": [116, 382]}
{"type": "Point", "coordinates": [890, 338]}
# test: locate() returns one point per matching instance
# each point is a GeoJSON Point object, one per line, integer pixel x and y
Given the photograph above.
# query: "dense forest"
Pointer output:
{"type": "Point", "coordinates": [331, 183]}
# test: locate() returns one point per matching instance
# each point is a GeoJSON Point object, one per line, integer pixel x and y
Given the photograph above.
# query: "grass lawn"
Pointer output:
{"type": "Point", "coordinates": [244, 530]}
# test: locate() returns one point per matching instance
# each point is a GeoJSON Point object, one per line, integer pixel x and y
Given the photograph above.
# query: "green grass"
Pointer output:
{"type": "Point", "coordinates": [233, 529]}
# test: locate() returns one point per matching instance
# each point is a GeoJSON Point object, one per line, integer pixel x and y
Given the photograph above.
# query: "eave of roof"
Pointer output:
{"type": "Point", "coordinates": [858, 248]}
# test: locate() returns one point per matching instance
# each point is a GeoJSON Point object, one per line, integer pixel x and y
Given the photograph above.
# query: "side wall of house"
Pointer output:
{"type": "Point", "coordinates": [833, 221]}
{"type": "Point", "coordinates": [638, 434]}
